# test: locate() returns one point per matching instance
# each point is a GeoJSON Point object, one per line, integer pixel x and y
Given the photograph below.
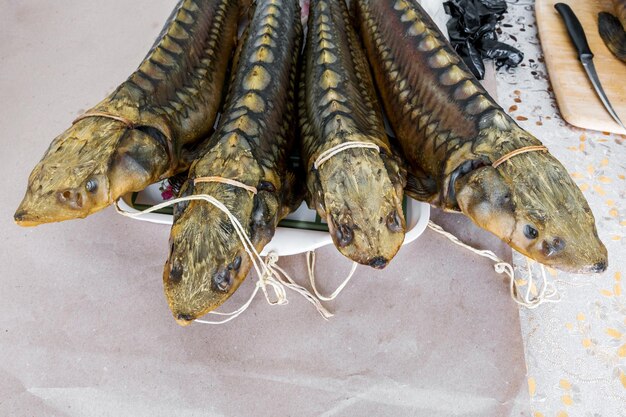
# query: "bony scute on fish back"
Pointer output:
{"type": "Point", "coordinates": [146, 128]}
{"type": "Point", "coordinates": [359, 190]}
{"type": "Point", "coordinates": [208, 261]}
{"type": "Point", "coordinates": [452, 134]}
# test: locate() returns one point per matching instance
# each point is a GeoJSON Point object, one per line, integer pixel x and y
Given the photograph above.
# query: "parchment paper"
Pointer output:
{"type": "Point", "coordinates": [84, 326]}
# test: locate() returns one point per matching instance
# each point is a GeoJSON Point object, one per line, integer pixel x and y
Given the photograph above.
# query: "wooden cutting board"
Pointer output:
{"type": "Point", "coordinates": [578, 102]}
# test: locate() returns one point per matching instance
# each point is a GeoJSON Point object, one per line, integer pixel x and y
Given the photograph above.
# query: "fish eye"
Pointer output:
{"type": "Point", "coordinates": [530, 232]}
{"type": "Point", "coordinates": [91, 186]}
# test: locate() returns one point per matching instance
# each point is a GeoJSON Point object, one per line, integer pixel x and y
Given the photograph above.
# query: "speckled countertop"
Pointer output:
{"type": "Point", "coordinates": [576, 349]}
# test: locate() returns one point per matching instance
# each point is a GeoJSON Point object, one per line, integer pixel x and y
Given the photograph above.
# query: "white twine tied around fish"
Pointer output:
{"type": "Point", "coordinates": [547, 292]}
{"type": "Point", "coordinates": [273, 276]}
{"type": "Point", "coordinates": [269, 273]}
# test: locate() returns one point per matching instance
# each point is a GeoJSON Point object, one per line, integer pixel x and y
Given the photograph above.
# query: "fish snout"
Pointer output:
{"type": "Point", "coordinates": [601, 266]}
{"type": "Point", "coordinates": [184, 319]}
{"type": "Point", "coordinates": [73, 198]}
{"type": "Point", "coordinates": [378, 262]}
{"type": "Point", "coordinates": [20, 215]}
{"type": "Point", "coordinates": [28, 214]}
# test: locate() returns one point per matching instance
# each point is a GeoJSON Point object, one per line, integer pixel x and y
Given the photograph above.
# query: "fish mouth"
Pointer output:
{"type": "Point", "coordinates": [600, 266]}
{"type": "Point", "coordinates": [379, 262]}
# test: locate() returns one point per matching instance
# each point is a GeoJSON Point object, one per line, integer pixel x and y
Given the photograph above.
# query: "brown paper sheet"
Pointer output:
{"type": "Point", "coordinates": [84, 326]}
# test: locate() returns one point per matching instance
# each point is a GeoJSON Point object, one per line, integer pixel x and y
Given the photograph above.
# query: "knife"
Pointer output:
{"type": "Point", "coordinates": [577, 34]}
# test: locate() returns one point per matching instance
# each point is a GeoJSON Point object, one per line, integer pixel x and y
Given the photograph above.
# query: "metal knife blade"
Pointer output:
{"type": "Point", "coordinates": [578, 37]}
{"type": "Point", "coordinates": [593, 76]}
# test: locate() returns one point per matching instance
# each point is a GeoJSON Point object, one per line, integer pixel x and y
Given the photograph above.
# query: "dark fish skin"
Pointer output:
{"type": "Point", "coordinates": [451, 132]}
{"type": "Point", "coordinates": [358, 191]}
{"type": "Point", "coordinates": [172, 101]}
{"type": "Point", "coordinates": [176, 86]}
{"type": "Point", "coordinates": [434, 104]}
{"type": "Point", "coordinates": [620, 11]}
{"type": "Point", "coordinates": [207, 261]}
{"type": "Point", "coordinates": [613, 29]}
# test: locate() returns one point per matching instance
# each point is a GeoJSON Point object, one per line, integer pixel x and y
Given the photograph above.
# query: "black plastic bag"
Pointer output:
{"type": "Point", "coordinates": [472, 31]}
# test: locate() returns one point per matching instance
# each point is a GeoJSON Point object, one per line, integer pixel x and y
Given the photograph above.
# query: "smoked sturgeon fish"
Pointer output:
{"type": "Point", "coordinates": [452, 132]}
{"type": "Point", "coordinates": [613, 29]}
{"type": "Point", "coordinates": [143, 130]}
{"type": "Point", "coordinates": [358, 191]}
{"type": "Point", "coordinates": [207, 261]}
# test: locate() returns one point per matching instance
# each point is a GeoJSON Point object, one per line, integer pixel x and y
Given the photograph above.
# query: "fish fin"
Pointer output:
{"type": "Point", "coordinates": [613, 34]}
{"type": "Point", "coordinates": [420, 186]}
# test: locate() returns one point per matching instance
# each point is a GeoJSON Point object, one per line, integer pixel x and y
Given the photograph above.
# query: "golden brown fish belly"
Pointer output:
{"type": "Point", "coordinates": [207, 260]}
{"type": "Point", "coordinates": [358, 191]}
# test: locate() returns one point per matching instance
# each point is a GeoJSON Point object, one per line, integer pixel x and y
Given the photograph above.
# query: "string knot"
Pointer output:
{"type": "Point", "coordinates": [271, 259]}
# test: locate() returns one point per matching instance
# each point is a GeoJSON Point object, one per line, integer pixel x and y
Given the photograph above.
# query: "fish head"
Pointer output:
{"type": "Point", "coordinates": [207, 261]}
{"type": "Point", "coordinates": [87, 168]}
{"type": "Point", "coordinates": [532, 204]}
{"type": "Point", "coordinates": [360, 194]}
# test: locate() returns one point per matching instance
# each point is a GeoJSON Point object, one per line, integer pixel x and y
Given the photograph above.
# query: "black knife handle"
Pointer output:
{"type": "Point", "coordinates": [575, 30]}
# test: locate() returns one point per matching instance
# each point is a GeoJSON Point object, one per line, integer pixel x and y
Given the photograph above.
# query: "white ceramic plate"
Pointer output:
{"type": "Point", "coordinates": [300, 232]}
